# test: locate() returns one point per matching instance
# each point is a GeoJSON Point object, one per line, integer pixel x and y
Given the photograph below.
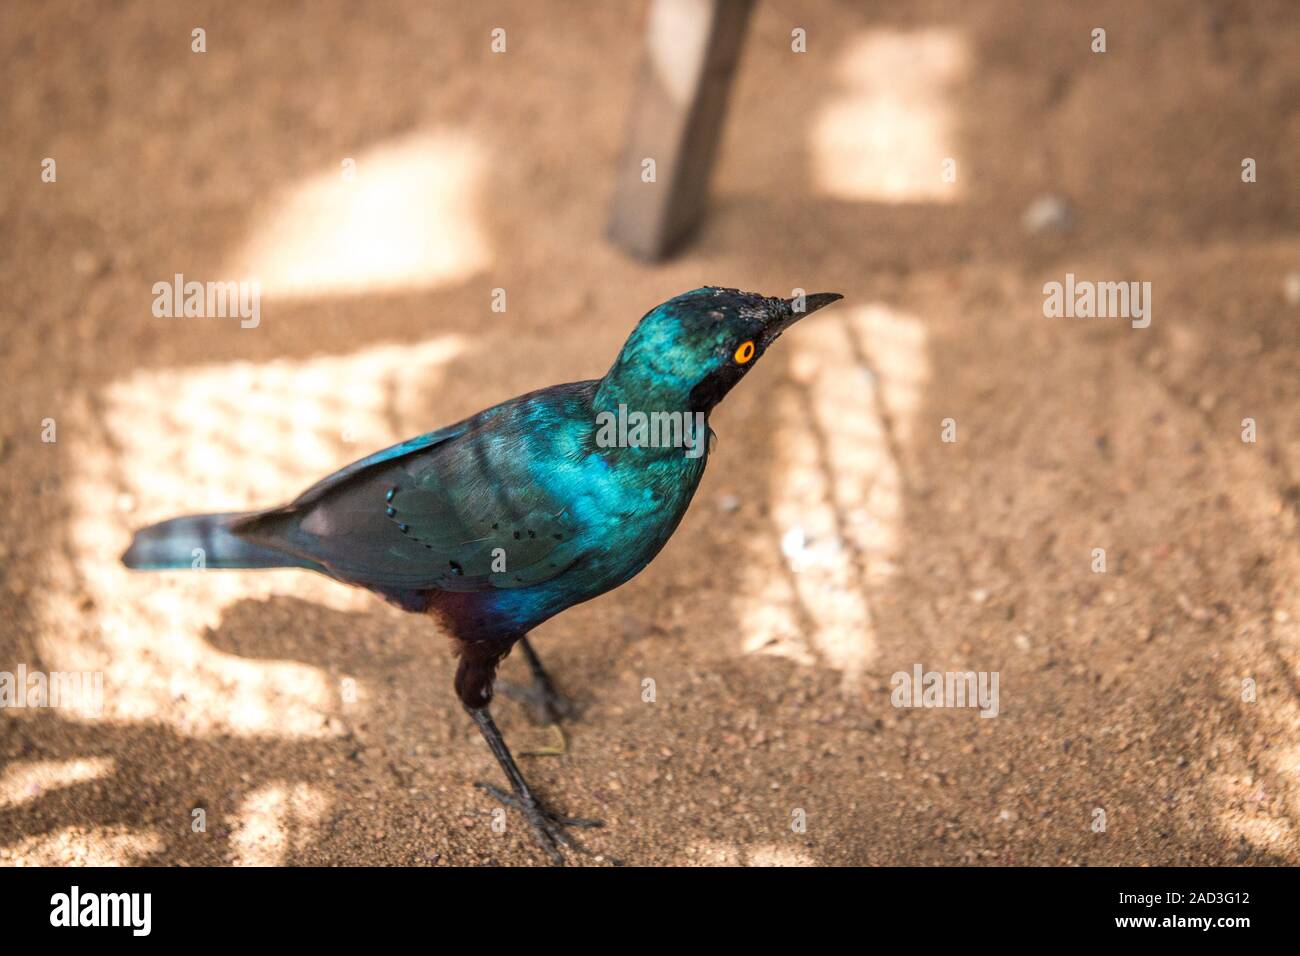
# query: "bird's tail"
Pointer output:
{"type": "Point", "coordinates": [201, 541]}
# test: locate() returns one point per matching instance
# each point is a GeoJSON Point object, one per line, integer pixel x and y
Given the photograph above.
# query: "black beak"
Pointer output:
{"type": "Point", "coordinates": [818, 300]}
{"type": "Point", "coordinates": [796, 310]}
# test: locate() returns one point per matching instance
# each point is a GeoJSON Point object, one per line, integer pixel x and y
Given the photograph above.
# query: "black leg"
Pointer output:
{"type": "Point", "coordinates": [547, 827]}
{"type": "Point", "coordinates": [549, 706]}
{"type": "Point", "coordinates": [553, 703]}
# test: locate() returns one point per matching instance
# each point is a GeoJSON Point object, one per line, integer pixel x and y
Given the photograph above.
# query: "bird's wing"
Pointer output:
{"type": "Point", "coordinates": [470, 511]}
{"type": "Point", "coordinates": [400, 450]}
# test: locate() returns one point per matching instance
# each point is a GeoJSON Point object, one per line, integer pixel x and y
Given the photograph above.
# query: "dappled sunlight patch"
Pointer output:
{"type": "Point", "coordinates": [1256, 786]}
{"type": "Point", "coordinates": [719, 853]}
{"type": "Point", "coordinates": [1252, 724]}
{"type": "Point", "coordinates": [890, 127]}
{"type": "Point", "coordinates": [773, 855]}
{"type": "Point", "coordinates": [99, 846]}
{"type": "Point", "coordinates": [26, 780]}
{"type": "Point", "coordinates": [274, 820]}
{"type": "Point", "coordinates": [1264, 834]}
{"type": "Point", "coordinates": [836, 489]}
{"type": "Point", "coordinates": [221, 437]}
{"type": "Point", "coordinates": [403, 216]}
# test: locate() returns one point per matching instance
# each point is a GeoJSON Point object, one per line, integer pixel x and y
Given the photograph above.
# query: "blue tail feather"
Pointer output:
{"type": "Point", "coordinates": [202, 541]}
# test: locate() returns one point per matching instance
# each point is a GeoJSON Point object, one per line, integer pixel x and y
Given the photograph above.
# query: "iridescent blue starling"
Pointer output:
{"type": "Point", "coordinates": [501, 521]}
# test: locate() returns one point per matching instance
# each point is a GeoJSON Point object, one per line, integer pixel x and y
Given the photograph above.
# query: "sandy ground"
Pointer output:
{"type": "Point", "coordinates": [836, 538]}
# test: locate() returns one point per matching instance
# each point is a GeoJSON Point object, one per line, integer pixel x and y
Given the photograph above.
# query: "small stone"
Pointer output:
{"type": "Point", "coordinates": [793, 543]}
{"type": "Point", "coordinates": [1048, 213]}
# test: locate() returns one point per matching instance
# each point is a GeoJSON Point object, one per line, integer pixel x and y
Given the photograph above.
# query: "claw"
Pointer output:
{"type": "Point", "coordinates": [547, 827]}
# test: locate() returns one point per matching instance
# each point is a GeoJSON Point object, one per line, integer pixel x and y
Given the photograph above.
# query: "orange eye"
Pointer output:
{"type": "Point", "coordinates": [744, 353]}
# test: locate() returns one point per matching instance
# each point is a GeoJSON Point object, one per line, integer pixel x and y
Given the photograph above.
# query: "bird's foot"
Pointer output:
{"type": "Point", "coordinates": [546, 705]}
{"type": "Point", "coordinates": [548, 828]}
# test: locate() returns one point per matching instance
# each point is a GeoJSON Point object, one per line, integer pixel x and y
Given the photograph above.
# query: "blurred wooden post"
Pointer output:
{"type": "Point", "coordinates": [691, 51]}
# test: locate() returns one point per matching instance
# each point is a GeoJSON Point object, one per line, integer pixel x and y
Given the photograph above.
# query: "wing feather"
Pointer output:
{"type": "Point", "coordinates": [464, 509]}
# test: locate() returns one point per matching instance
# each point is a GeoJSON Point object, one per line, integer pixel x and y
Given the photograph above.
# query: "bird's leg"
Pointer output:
{"type": "Point", "coordinates": [554, 704]}
{"type": "Point", "coordinates": [547, 827]}
{"type": "Point", "coordinates": [549, 706]}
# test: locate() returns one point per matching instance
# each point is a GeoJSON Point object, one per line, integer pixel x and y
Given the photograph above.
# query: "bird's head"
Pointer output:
{"type": "Point", "coordinates": [689, 352]}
